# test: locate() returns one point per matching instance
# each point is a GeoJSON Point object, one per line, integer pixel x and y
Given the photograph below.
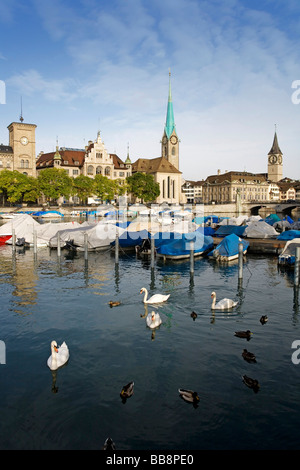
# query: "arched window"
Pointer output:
{"type": "Point", "coordinates": [90, 170]}
{"type": "Point", "coordinates": [173, 151]}
{"type": "Point", "coordinates": [99, 170]}
{"type": "Point", "coordinates": [107, 171]}
{"type": "Point", "coordinates": [26, 164]}
{"type": "Point", "coordinates": [22, 164]}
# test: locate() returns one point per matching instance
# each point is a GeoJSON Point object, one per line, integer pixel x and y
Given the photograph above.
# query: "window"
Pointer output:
{"type": "Point", "coordinates": [66, 162]}
{"type": "Point", "coordinates": [1, 164]}
{"type": "Point", "coordinates": [98, 155]}
{"type": "Point", "coordinates": [76, 162]}
{"type": "Point", "coordinates": [90, 170]}
{"type": "Point", "coordinates": [121, 173]}
{"type": "Point", "coordinates": [107, 171]}
{"type": "Point", "coordinates": [173, 150]}
{"type": "Point", "coordinates": [75, 172]}
{"type": "Point", "coordinates": [26, 164]}
{"type": "Point", "coordinates": [99, 170]}
{"type": "Point", "coordinates": [22, 164]}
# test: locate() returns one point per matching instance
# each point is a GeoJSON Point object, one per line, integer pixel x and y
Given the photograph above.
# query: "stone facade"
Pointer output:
{"type": "Point", "coordinates": [20, 154]}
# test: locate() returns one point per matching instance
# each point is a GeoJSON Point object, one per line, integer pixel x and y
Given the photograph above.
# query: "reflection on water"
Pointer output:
{"type": "Point", "coordinates": [46, 297]}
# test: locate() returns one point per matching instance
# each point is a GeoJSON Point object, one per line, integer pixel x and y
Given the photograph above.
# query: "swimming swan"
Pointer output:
{"type": "Point", "coordinates": [222, 304]}
{"type": "Point", "coordinates": [155, 299]}
{"type": "Point", "coordinates": [59, 355]}
{"type": "Point", "coordinates": [153, 320]}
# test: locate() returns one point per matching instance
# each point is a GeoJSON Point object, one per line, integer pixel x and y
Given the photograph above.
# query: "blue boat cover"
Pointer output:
{"type": "Point", "coordinates": [229, 246]}
{"type": "Point", "coordinates": [225, 230]}
{"type": "Point", "coordinates": [182, 246]}
{"type": "Point", "coordinates": [289, 235]}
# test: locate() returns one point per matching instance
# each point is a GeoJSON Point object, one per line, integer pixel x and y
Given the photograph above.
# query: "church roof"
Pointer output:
{"type": "Point", "coordinates": [170, 123]}
{"type": "Point", "coordinates": [154, 165]}
{"type": "Point", "coordinates": [275, 147]}
{"type": "Point", "coordinates": [68, 158]}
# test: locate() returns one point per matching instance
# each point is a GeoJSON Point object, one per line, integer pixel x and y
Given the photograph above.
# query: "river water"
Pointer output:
{"type": "Point", "coordinates": [44, 297]}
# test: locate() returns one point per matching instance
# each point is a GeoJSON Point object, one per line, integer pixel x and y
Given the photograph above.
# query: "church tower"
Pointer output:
{"type": "Point", "coordinates": [22, 142]}
{"type": "Point", "coordinates": [170, 141]}
{"type": "Point", "coordinates": [275, 167]}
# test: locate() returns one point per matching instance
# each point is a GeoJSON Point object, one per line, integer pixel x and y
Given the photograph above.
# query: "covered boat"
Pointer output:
{"type": "Point", "coordinates": [99, 236]}
{"type": "Point", "coordinates": [47, 214]}
{"type": "Point", "coordinates": [288, 254]}
{"type": "Point", "coordinates": [181, 248]}
{"type": "Point", "coordinates": [260, 229]}
{"type": "Point", "coordinates": [228, 249]}
{"type": "Point", "coordinates": [23, 225]}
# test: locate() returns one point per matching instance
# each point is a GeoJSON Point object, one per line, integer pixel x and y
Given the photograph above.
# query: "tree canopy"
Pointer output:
{"type": "Point", "coordinates": [143, 186]}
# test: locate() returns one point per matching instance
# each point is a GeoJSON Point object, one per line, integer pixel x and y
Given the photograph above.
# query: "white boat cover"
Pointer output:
{"type": "Point", "coordinates": [260, 229]}
{"type": "Point", "coordinates": [99, 236]}
{"type": "Point", "coordinates": [23, 225]}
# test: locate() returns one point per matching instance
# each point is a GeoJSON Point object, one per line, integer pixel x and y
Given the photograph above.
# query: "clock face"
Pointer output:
{"type": "Point", "coordinates": [24, 140]}
{"type": "Point", "coordinates": [279, 160]}
{"type": "Point", "coordinates": [272, 159]}
{"type": "Point", "coordinates": [174, 139]}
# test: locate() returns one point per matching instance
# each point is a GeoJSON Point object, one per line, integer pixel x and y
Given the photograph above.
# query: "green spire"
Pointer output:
{"type": "Point", "coordinates": [170, 123]}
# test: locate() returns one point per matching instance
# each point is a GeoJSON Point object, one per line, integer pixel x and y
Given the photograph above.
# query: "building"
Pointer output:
{"type": "Point", "coordinates": [165, 169]}
{"type": "Point", "coordinates": [91, 161]}
{"type": "Point", "coordinates": [20, 154]}
{"type": "Point", "coordinates": [275, 162]}
{"type": "Point", "coordinates": [192, 191]}
{"type": "Point", "coordinates": [226, 187]}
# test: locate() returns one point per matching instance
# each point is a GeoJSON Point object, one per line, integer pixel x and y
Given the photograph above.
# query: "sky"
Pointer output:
{"type": "Point", "coordinates": [83, 66]}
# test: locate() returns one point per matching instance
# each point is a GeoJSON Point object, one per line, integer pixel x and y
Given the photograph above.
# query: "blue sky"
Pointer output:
{"type": "Point", "coordinates": [88, 65]}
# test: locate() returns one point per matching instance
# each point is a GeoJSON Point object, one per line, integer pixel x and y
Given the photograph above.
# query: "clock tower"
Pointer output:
{"type": "Point", "coordinates": [275, 167]}
{"type": "Point", "coordinates": [22, 142]}
{"type": "Point", "coordinates": [170, 141]}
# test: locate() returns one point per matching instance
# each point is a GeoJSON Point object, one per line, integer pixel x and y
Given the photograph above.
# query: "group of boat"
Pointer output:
{"type": "Point", "coordinates": [175, 234]}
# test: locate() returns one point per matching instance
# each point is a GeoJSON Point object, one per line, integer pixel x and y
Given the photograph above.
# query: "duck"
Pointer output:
{"type": "Point", "coordinates": [263, 319]}
{"type": "Point", "coordinates": [248, 356]}
{"type": "Point", "coordinates": [109, 444]}
{"type": "Point", "coordinates": [59, 355]}
{"type": "Point", "coordinates": [127, 391]}
{"type": "Point", "coordinates": [222, 304]}
{"type": "Point", "coordinates": [194, 315]}
{"type": "Point", "coordinates": [155, 299]}
{"type": "Point", "coordinates": [243, 334]}
{"type": "Point", "coordinates": [251, 383]}
{"type": "Point", "coordinates": [153, 320]}
{"type": "Point", "coordinates": [114, 303]}
{"type": "Point", "coordinates": [189, 395]}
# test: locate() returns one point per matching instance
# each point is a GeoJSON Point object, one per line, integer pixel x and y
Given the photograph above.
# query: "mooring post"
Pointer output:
{"type": "Point", "coordinates": [13, 239]}
{"type": "Point", "coordinates": [85, 246]}
{"type": "Point", "coordinates": [117, 248]}
{"type": "Point", "coordinates": [152, 251]}
{"type": "Point", "coordinates": [58, 245]}
{"type": "Point", "coordinates": [241, 260]}
{"type": "Point", "coordinates": [34, 242]}
{"type": "Point", "coordinates": [297, 263]}
{"type": "Point", "coordinates": [192, 247]}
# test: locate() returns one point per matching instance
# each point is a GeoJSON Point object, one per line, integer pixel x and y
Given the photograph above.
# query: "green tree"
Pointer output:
{"type": "Point", "coordinates": [83, 187]}
{"type": "Point", "coordinates": [104, 187]}
{"type": "Point", "coordinates": [143, 186]}
{"type": "Point", "coordinates": [17, 187]}
{"type": "Point", "coordinates": [54, 183]}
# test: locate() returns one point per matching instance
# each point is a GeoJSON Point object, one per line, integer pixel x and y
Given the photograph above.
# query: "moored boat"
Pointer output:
{"type": "Point", "coordinates": [228, 248]}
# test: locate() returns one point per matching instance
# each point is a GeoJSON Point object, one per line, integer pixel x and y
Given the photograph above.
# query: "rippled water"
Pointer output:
{"type": "Point", "coordinates": [44, 298]}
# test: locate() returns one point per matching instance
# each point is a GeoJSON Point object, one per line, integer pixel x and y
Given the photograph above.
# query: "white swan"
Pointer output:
{"type": "Point", "coordinates": [222, 304]}
{"type": "Point", "coordinates": [155, 299]}
{"type": "Point", "coordinates": [153, 320]}
{"type": "Point", "coordinates": [59, 355]}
